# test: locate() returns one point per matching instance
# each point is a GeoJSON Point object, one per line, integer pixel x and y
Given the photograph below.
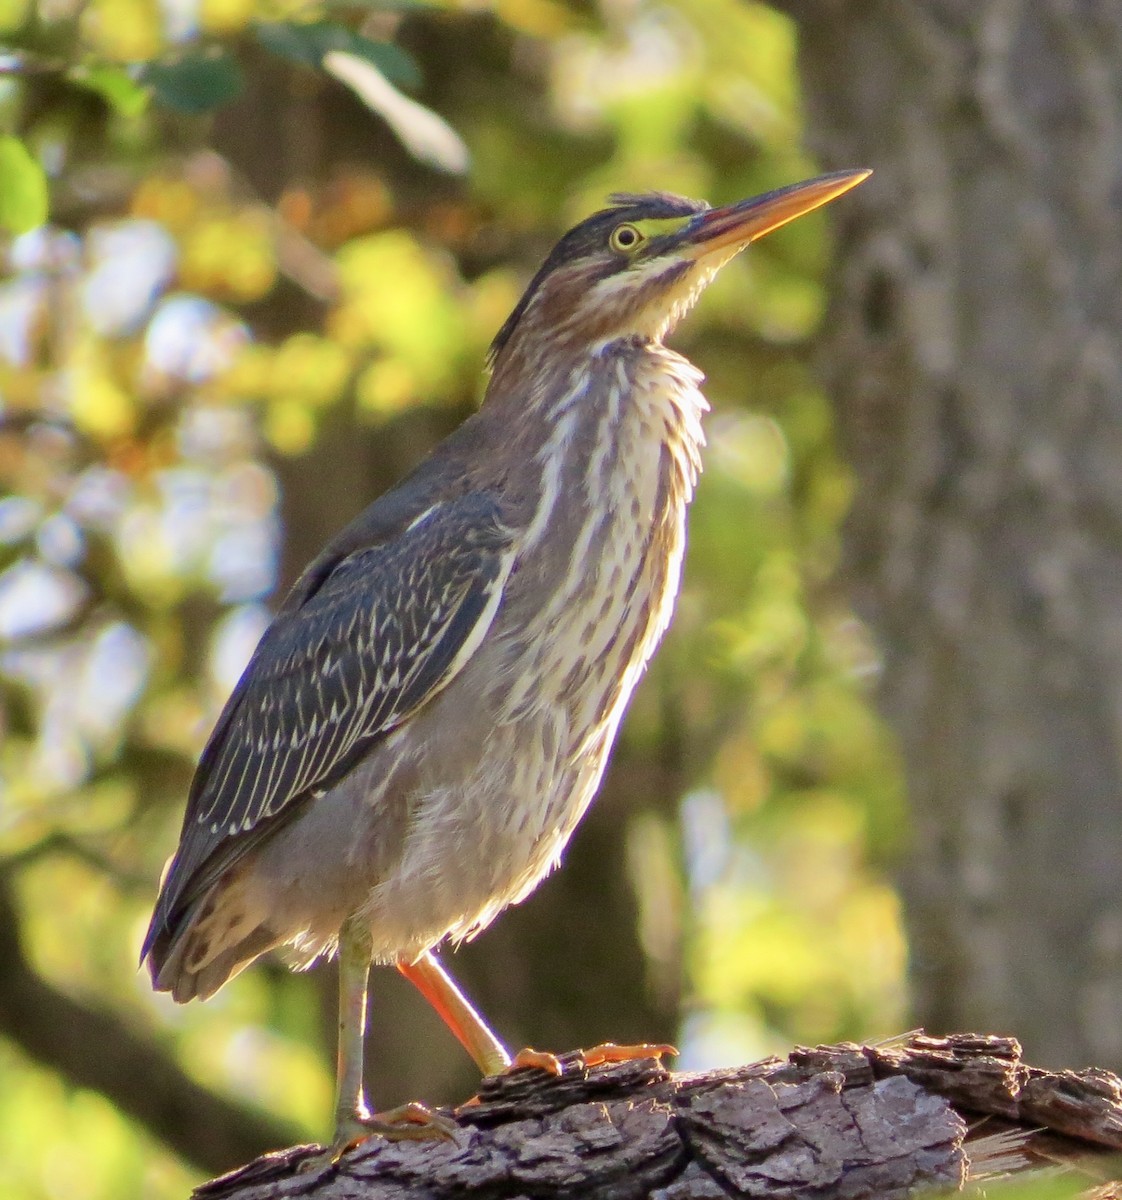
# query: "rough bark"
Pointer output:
{"type": "Point", "coordinates": [840, 1121]}
{"type": "Point", "coordinates": [975, 355]}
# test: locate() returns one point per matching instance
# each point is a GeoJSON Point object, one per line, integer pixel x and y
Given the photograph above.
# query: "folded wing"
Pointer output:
{"type": "Point", "coordinates": [368, 637]}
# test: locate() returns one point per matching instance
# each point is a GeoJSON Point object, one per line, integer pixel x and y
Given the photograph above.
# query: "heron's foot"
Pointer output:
{"type": "Point", "coordinates": [412, 1122]}
{"type": "Point", "coordinates": [408, 1122]}
{"type": "Point", "coordinates": [527, 1058]}
{"type": "Point", "coordinates": [606, 1052]}
{"type": "Point", "coordinates": [551, 1064]}
{"type": "Point", "coordinates": [609, 1052]}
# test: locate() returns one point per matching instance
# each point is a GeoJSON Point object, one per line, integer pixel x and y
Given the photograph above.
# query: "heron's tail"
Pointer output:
{"type": "Point", "coordinates": [193, 954]}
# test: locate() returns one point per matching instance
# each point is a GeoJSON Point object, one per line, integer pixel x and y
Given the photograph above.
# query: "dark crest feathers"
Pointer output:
{"type": "Point", "coordinates": [590, 236]}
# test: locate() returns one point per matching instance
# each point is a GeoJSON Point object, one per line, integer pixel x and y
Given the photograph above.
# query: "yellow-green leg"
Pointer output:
{"type": "Point", "coordinates": [353, 1119]}
{"type": "Point", "coordinates": [351, 1110]}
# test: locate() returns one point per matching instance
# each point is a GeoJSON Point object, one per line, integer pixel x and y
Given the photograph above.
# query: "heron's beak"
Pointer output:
{"type": "Point", "coordinates": [731, 228]}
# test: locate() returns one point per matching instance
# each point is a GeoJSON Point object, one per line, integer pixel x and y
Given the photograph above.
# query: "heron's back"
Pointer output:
{"type": "Point", "coordinates": [467, 804]}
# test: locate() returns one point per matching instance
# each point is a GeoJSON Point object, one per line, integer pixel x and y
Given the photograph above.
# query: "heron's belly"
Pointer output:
{"type": "Point", "coordinates": [436, 833]}
{"type": "Point", "coordinates": [484, 829]}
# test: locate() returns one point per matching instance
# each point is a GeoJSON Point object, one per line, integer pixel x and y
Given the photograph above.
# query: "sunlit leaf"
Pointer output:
{"type": "Point", "coordinates": [386, 387]}
{"type": "Point", "coordinates": [416, 320]}
{"type": "Point", "coordinates": [114, 85]}
{"type": "Point", "coordinates": [97, 403]}
{"type": "Point", "coordinates": [312, 367]}
{"type": "Point", "coordinates": [290, 425]}
{"type": "Point", "coordinates": [196, 83]}
{"type": "Point", "coordinates": [381, 5]}
{"type": "Point", "coordinates": [539, 18]}
{"type": "Point", "coordinates": [122, 31]}
{"type": "Point", "coordinates": [425, 135]}
{"type": "Point", "coordinates": [229, 255]}
{"type": "Point", "coordinates": [227, 16]}
{"type": "Point", "coordinates": [13, 13]}
{"type": "Point", "coordinates": [23, 187]}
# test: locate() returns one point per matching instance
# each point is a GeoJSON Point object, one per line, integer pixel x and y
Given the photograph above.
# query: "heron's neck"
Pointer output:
{"type": "Point", "coordinates": [524, 384]}
{"type": "Point", "coordinates": [603, 500]}
{"type": "Point", "coordinates": [576, 432]}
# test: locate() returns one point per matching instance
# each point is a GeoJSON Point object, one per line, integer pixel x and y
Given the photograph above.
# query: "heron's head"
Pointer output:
{"type": "Point", "coordinates": [636, 268]}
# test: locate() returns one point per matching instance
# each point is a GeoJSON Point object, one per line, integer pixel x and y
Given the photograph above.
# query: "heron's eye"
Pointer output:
{"type": "Point", "coordinates": [625, 238]}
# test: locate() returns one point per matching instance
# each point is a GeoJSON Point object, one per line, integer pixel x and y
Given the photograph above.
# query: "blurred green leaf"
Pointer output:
{"type": "Point", "coordinates": [1056, 1184]}
{"type": "Point", "coordinates": [196, 83]}
{"type": "Point", "coordinates": [114, 85]}
{"type": "Point", "coordinates": [388, 6]}
{"type": "Point", "coordinates": [23, 187]}
{"type": "Point", "coordinates": [308, 43]}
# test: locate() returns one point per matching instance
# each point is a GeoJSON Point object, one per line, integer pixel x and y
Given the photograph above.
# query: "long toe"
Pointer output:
{"type": "Point", "coordinates": [606, 1052]}
{"type": "Point", "coordinates": [609, 1052]}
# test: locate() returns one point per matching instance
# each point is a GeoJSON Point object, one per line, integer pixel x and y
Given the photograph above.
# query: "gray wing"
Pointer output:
{"type": "Point", "coordinates": [364, 641]}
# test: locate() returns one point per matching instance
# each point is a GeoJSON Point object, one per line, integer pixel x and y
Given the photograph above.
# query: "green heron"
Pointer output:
{"type": "Point", "coordinates": [430, 712]}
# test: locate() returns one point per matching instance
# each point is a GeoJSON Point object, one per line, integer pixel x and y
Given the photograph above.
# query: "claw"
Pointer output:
{"type": "Point", "coordinates": [538, 1060]}
{"type": "Point", "coordinates": [606, 1052]}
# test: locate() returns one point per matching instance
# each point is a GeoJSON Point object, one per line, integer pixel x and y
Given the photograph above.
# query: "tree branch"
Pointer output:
{"type": "Point", "coordinates": [837, 1123]}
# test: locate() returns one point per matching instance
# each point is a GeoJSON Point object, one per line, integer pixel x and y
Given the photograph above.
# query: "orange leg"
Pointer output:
{"type": "Point", "coordinates": [472, 1032]}
{"type": "Point", "coordinates": [454, 1009]}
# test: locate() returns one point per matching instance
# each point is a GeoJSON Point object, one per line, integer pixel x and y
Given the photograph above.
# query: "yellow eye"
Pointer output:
{"type": "Point", "coordinates": [625, 238]}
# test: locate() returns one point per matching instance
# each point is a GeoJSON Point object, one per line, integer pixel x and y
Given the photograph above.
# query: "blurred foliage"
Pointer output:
{"type": "Point", "coordinates": [1059, 1183]}
{"type": "Point", "coordinates": [152, 377]}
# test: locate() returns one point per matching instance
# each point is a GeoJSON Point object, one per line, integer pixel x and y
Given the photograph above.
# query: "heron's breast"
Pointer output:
{"type": "Point", "coordinates": [598, 584]}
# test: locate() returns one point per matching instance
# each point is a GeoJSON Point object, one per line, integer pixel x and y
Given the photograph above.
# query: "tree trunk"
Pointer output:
{"type": "Point", "coordinates": [975, 355]}
{"type": "Point", "coordinates": [838, 1122]}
